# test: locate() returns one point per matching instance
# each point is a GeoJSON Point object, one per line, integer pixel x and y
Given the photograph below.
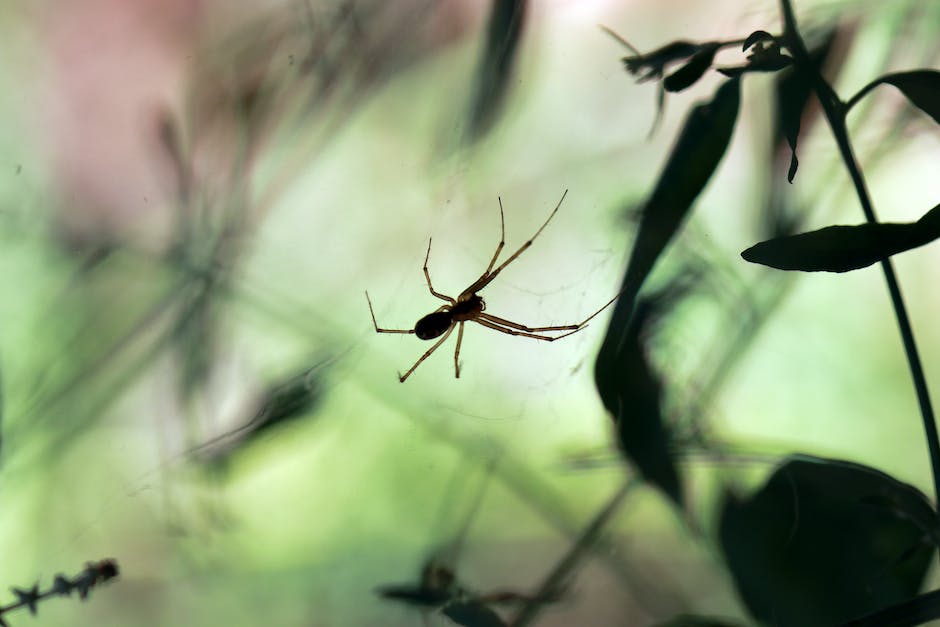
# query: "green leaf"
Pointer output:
{"type": "Point", "coordinates": [507, 18]}
{"type": "Point", "coordinates": [843, 248]}
{"type": "Point", "coordinates": [688, 74]}
{"type": "Point", "coordinates": [922, 88]}
{"type": "Point", "coordinates": [812, 547]}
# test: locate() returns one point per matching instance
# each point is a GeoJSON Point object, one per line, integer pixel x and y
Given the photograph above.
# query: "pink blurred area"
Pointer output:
{"type": "Point", "coordinates": [120, 70]}
{"type": "Point", "coordinates": [114, 65]}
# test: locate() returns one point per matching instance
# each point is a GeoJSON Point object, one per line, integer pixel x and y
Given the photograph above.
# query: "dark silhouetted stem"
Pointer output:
{"type": "Point", "coordinates": [553, 584]}
{"type": "Point", "coordinates": [835, 111]}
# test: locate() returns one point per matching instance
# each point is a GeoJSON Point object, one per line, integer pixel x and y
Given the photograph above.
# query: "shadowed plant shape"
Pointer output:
{"type": "Point", "coordinates": [793, 91]}
{"type": "Point", "coordinates": [765, 55]}
{"type": "Point", "coordinates": [283, 402]}
{"type": "Point", "coordinates": [701, 145]}
{"type": "Point", "coordinates": [688, 620]}
{"type": "Point", "coordinates": [621, 372]}
{"type": "Point", "coordinates": [632, 392]}
{"type": "Point", "coordinates": [688, 74]}
{"type": "Point", "coordinates": [843, 248]}
{"type": "Point", "coordinates": [439, 590]}
{"type": "Point", "coordinates": [921, 87]}
{"type": "Point", "coordinates": [504, 34]}
{"type": "Point", "coordinates": [817, 545]}
{"type": "Point", "coordinates": [95, 573]}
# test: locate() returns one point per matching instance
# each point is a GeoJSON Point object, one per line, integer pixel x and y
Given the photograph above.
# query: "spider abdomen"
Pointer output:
{"type": "Point", "coordinates": [433, 325]}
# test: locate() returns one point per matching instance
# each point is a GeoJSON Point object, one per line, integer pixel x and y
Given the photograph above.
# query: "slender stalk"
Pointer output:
{"type": "Point", "coordinates": [555, 580]}
{"type": "Point", "coordinates": [835, 111]}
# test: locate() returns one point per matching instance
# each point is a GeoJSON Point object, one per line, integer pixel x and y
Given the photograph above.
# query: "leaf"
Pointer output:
{"type": "Point", "coordinates": [688, 620]}
{"type": "Point", "coordinates": [688, 74]}
{"type": "Point", "coordinates": [922, 88]}
{"type": "Point", "coordinates": [758, 36]}
{"type": "Point", "coordinates": [809, 549]}
{"type": "Point", "coordinates": [793, 92]}
{"type": "Point", "coordinates": [507, 18]}
{"type": "Point", "coordinates": [625, 382]}
{"type": "Point", "coordinates": [472, 613]}
{"type": "Point", "coordinates": [632, 392]}
{"type": "Point", "coordinates": [695, 156]}
{"type": "Point", "coordinates": [285, 401]}
{"type": "Point", "coordinates": [844, 248]}
{"type": "Point", "coordinates": [655, 62]}
{"type": "Point", "coordinates": [27, 598]}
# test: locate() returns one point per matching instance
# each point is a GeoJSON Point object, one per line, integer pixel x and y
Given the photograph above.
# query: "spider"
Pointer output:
{"type": "Point", "coordinates": [470, 307]}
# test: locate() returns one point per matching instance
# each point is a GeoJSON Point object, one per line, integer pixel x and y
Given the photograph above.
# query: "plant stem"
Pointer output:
{"type": "Point", "coordinates": [554, 582]}
{"type": "Point", "coordinates": [835, 111]}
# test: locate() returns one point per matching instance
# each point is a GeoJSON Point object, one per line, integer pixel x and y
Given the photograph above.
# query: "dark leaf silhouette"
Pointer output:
{"type": "Point", "coordinates": [437, 586]}
{"type": "Point", "coordinates": [653, 64]}
{"type": "Point", "coordinates": [626, 384]}
{"type": "Point", "coordinates": [28, 598]}
{"type": "Point", "coordinates": [507, 19]}
{"type": "Point", "coordinates": [632, 392]}
{"type": "Point", "coordinates": [756, 37]}
{"type": "Point", "coordinates": [844, 248]}
{"type": "Point", "coordinates": [809, 548]}
{"type": "Point", "coordinates": [701, 145]}
{"type": "Point", "coordinates": [793, 92]}
{"type": "Point", "coordinates": [688, 74]}
{"type": "Point", "coordinates": [284, 402]}
{"type": "Point", "coordinates": [688, 620]}
{"type": "Point", "coordinates": [922, 88]}
{"type": "Point", "coordinates": [472, 613]}
{"type": "Point", "coordinates": [763, 58]}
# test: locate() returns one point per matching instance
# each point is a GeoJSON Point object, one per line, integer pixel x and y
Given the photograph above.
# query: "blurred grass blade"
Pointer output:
{"type": "Point", "coordinates": [843, 248]}
{"type": "Point", "coordinates": [809, 548]}
{"type": "Point", "coordinates": [921, 87]}
{"type": "Point", "coordinates": [695, 156]}
{"type": "Point", "coordinates": [507, 19]}
{"type": "Point", "coordinates": [688, 74]}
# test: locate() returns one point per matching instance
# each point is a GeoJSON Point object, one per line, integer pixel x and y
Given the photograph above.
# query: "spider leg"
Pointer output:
{"type": "Point", "coordinates": [502, 238]}
{"type": "Point", "coordinates": [488, 276]}
{"type": "Point", "coordinates": [427, 276]}
{"type": "Point", "coordinates": [547, 338]}
{"type": "Point", "coordinates": [457, 351]}
{"type": "Point", "coordinates": [427, 353]}
{"type": "Point", "coordinates": [522, 327]}
{"type": "Point", "coordinates": [376, 325]}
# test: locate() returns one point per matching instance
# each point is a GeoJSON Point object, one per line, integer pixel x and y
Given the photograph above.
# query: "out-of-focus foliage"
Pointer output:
{"type": "Point", "coordinates": [193, 197]}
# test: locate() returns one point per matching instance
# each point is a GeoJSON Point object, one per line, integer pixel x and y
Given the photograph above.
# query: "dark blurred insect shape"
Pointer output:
{"type": "Point", "coordinates": [469, 306]}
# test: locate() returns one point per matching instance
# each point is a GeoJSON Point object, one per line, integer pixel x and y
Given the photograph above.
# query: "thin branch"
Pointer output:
{"type": "Point", "coordinates": [582, 547]}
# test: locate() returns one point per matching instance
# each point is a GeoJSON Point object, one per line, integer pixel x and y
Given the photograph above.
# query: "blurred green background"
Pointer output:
{"type": "Point", "coordinates": [195, 195]}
